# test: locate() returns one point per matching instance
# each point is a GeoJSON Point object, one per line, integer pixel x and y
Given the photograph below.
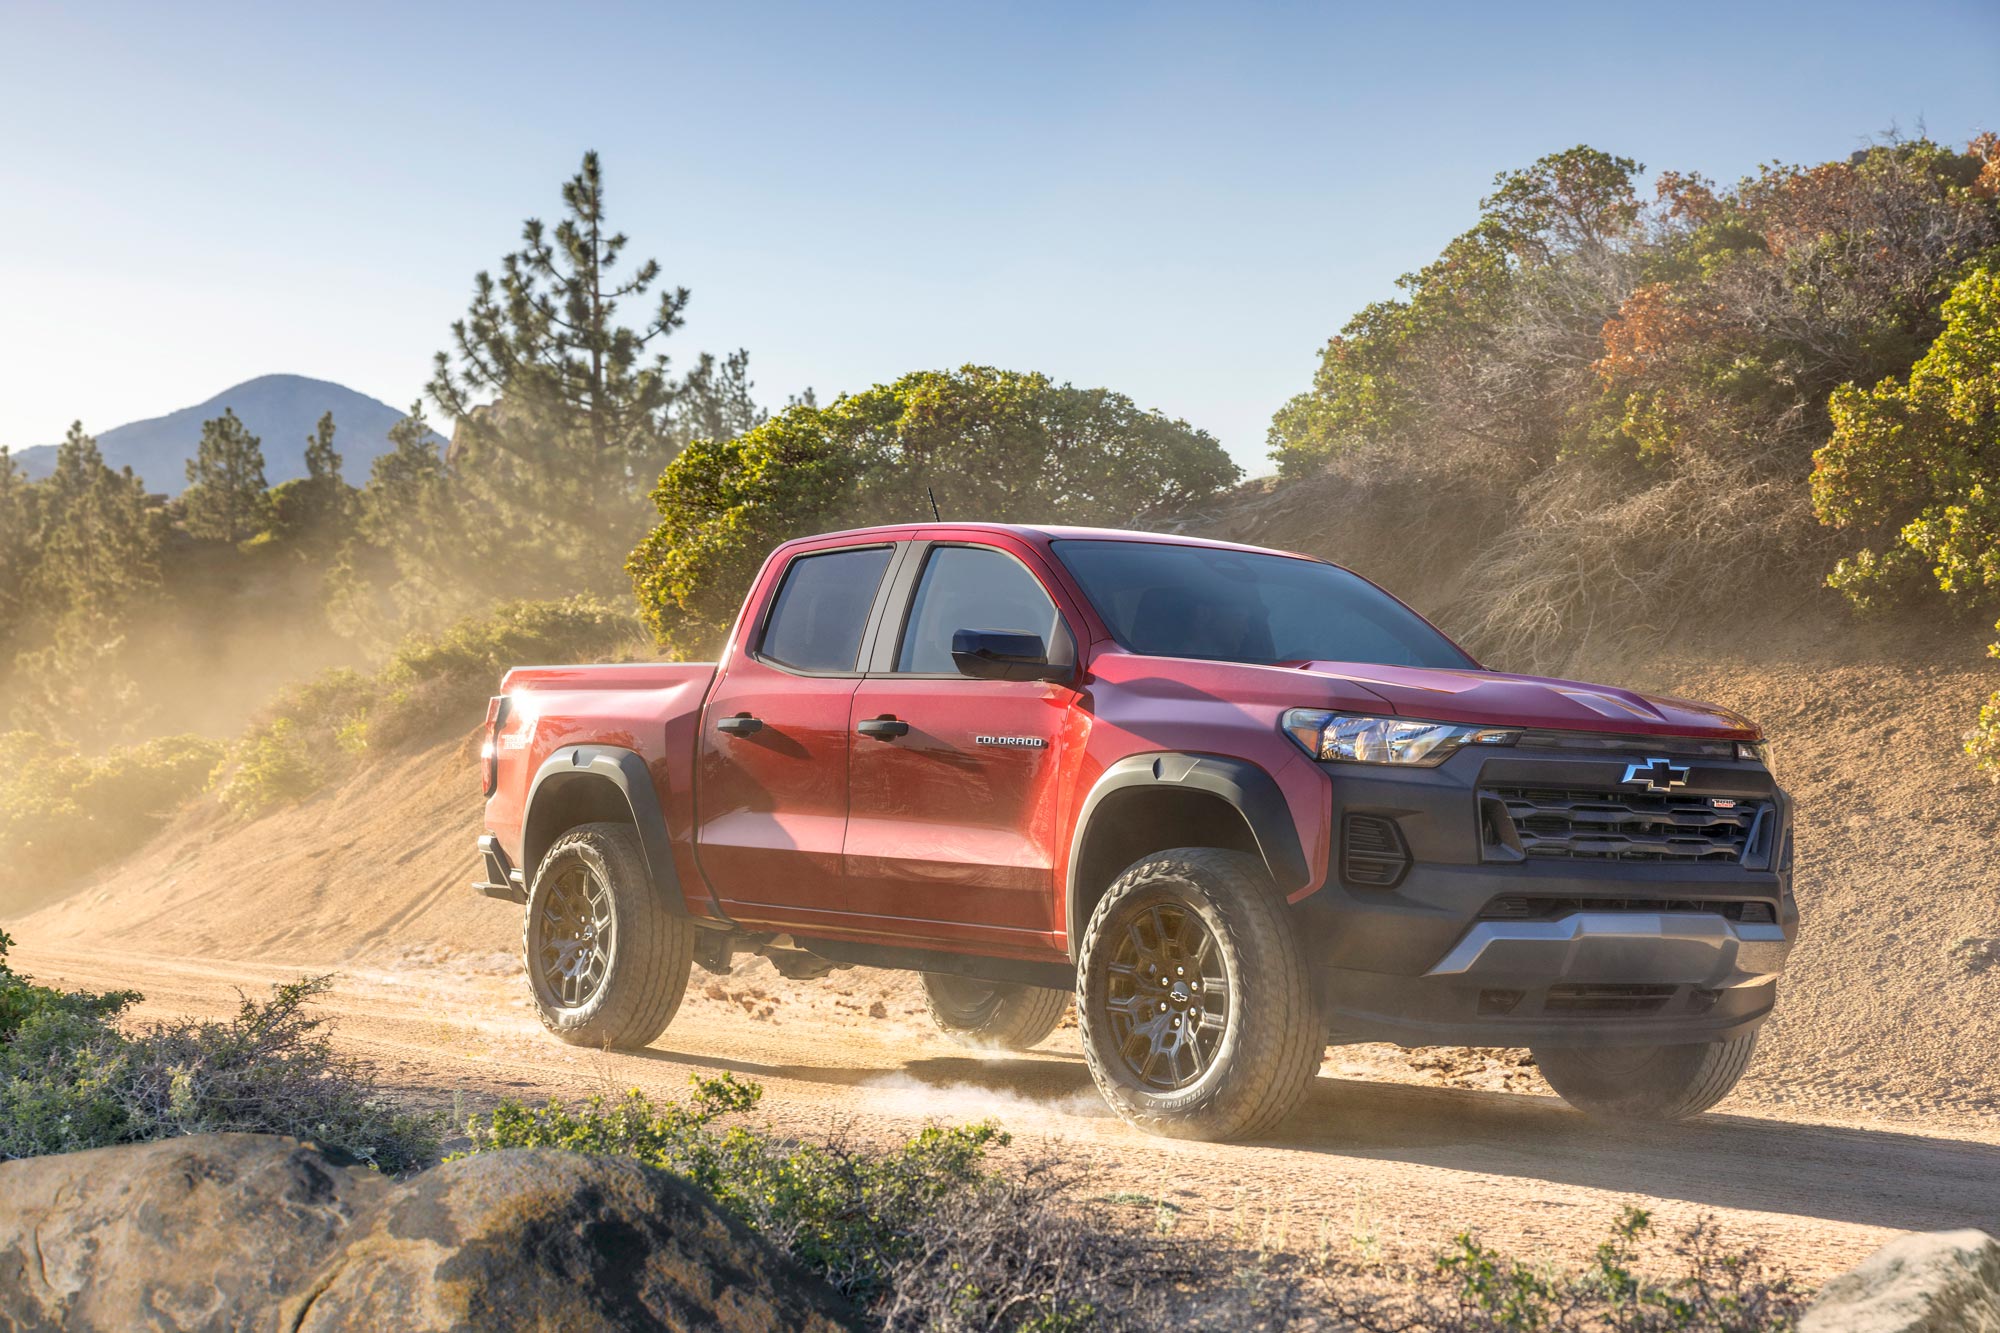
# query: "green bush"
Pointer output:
{"type": "Point", "coordinates": [849, 1216]}
{"type": "Point", "coordinates": [275, 764]}
{"type": "Point", "coordinates": [71, 1079]}
{"type": "Point", "coordinates": [62, 814]}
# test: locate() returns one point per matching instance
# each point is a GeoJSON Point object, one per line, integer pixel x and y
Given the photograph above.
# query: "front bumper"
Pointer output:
{"type": "Point", "coordinates": [1474, 944]}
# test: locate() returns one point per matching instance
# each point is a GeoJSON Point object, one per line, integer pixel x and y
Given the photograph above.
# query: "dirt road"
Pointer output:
{"type": "Point", "coordinates": [1379, 1151]}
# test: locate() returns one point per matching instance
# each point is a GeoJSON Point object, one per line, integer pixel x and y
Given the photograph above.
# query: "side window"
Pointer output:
{"type": "Point", "coordinates": [821, 609]}
{"type": "Point", "coordinates": [971, 587]}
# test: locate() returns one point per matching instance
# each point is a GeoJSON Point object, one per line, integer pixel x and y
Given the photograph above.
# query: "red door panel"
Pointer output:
{"type": "Point", "coordinates": [774, 800]}
{"type": "Point", "coordinates": [953, 836]}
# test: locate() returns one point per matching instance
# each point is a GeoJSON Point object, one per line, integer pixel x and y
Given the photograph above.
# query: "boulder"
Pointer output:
{"type": "Point", "coordinates": [1928, 1282]}
{"type": "Point", "coordinates": [251, 1231]}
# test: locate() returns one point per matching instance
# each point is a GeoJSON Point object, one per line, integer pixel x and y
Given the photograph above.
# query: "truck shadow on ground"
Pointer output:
{"type": "Point", "coordinates": [1872, 1177]}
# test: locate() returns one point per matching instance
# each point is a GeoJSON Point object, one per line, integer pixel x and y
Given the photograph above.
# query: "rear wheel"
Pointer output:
{"type": "Point", "coordinates": [1646, 1082]}
{"type": "Point", "coordinates": [992, 1014]}
{"type": "Point", "coordinates": [1196, 1005]}
{"type": "Point", "coordinates": [607, 960]}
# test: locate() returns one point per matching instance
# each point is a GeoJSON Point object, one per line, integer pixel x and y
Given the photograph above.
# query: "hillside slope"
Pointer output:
{"type": "Point", "coordinates": [281, 410]}
{"type": "Point", "coordinates": [1878, 1016]}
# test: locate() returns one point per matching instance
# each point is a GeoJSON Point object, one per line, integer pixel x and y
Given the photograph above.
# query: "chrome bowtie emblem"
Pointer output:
{"type": "Point", "coordinates": [1657, 774]}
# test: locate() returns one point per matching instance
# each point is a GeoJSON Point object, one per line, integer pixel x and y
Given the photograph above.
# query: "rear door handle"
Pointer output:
{"type": "Point", "coordinates": [740, 725]}
{"type": "Point", "coordinates": [883, 728]}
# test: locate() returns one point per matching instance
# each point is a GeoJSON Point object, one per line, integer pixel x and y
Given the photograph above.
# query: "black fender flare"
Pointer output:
{"type": "Point", "coordinates": [626, 771]}
{"type": "Point", "coordinates": [1252, 791]}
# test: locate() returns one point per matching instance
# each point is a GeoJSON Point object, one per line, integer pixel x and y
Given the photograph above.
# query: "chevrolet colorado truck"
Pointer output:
{"type": "Point", "coordinates": [1240, 804]}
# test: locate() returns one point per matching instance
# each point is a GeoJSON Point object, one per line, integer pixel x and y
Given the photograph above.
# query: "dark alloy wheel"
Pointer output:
{"type": "Point", "coordinates": [570, 939]}
{"type": "Point", "coordinates": [992, 1015]}
{"type": "Point", "coordinates": [1196, 1006]}
{"type": "Point", "coordinates": [1168, 1001]}
{"type": "Point", "coordinates": [607, 959]}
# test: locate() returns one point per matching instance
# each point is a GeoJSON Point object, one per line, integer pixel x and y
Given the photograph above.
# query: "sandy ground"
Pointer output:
{"type": "Point", "coordinates": [1873, 1105]}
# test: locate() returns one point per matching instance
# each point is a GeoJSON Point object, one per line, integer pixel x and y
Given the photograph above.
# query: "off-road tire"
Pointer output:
{"type": "Point", "coordinates": [1271, 1039]}
{"type": "Point", "coordinates": [992, 1015]}
{"type": "Point", "coordinates": [1646, 1082]}
{"type": "Point", "coordinates": [650, 954]}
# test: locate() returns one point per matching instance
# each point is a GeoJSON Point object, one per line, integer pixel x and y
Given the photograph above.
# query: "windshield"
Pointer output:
{"type": "Point", "coordinates": [1238, 606]}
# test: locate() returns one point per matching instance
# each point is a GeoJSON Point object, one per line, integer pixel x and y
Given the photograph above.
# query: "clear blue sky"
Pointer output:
{"type": "Point", "coordinates": [1179, 202]}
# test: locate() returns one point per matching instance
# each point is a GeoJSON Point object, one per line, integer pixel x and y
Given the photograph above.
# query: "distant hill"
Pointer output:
{"type": "Point", "coordinates": [281, 410]}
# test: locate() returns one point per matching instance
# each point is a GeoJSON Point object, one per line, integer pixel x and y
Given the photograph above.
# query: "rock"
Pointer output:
{"type": "Point", "coordinates": [1929, 1282]}
{"type": "Point", "coordinates": [250, 1231]}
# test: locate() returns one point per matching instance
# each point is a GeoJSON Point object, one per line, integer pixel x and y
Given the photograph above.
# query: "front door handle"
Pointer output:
{"type": "Point", "coordinates": [883, 728]}
{"type": "Point", "coordinates": [740, 725]}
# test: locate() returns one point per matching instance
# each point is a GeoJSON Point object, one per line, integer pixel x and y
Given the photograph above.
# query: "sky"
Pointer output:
{"type": "Point", "coordinates": [1177, 202]}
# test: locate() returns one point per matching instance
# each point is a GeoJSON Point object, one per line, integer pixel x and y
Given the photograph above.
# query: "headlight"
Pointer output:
{"type": "Point", "coordinates": [1386, 740]}
{"type": "Point", "coordinates": [1758, 752]}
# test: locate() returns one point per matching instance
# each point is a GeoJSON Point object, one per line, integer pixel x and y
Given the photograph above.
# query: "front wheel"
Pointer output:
{"type": "Point", "coordinates": [992, 1015]}
{"type": "Point", "coordinates": [1646, 1082]}
{"type": "Point", "coordinates": [607, 960]}
{"type": "Point", "coordinates": [1194, 997]}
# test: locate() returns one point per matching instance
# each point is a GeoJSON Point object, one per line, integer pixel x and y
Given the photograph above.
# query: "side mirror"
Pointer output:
{"type": "Point", "coordinates": [990, 654]}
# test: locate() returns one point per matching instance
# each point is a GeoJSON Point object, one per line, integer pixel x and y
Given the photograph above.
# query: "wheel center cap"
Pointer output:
{"type": "Point", "coordinates": [1179, 993]}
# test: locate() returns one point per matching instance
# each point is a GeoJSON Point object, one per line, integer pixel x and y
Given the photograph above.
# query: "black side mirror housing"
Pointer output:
{"type": "Point", "coordinates": [989, 654]}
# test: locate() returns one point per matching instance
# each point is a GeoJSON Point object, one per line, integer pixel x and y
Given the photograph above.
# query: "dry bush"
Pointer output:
{"type": "Point", "coordinates": [1594, 559]}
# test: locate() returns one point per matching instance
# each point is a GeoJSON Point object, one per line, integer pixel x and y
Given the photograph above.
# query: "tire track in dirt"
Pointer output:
{"type": "Point", "coordinates": [1405, 1163]}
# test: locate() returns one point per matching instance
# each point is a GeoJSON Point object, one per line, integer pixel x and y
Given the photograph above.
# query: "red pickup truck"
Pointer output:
{"type": "Point", "coordinates": [1239, 803]}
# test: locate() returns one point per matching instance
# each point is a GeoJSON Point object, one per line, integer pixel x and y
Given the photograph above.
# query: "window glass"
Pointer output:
{"type": "Point", "coordinates": [971, 587]}
{"type": "Point", "coordinates": [1239, 606]}
{"type": "Point", "coordinates": [822, 609]}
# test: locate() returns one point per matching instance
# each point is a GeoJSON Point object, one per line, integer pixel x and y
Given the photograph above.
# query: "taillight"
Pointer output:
{"type": "Point", "coordinates": [489, 749]}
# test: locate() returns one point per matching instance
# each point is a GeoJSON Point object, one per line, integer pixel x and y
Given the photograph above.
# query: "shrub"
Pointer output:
{"type": "Point", "coordinates": [62, 814]}
{"type": "Point", "coordinates": [71, 1079]}
{"type": "Point", "coordinates": [1472, 1289]}
{"type": "Point", "coordinates": [274, 764]}
{"type": "Point", "coordinates": [926, 1234]}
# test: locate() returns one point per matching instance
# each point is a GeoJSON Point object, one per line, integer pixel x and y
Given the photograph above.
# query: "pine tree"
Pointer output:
{"type": "Point", "coordinates": [225, 499]}
{"type": "Point", "coordinates": [311, 515]}
{"type": "Point", "coordinates": [322, 461]}
{"type": "Point", "coordinates": [560, 410]}
{"type": "Point", "coordinates": [714, 402]}
{"type": "Point", "coordinates": [18, 549]}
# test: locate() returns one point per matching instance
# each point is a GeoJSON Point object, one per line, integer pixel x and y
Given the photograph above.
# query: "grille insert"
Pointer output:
{"type": "Point", "coordinates": [1536, 907]}
{"type": "Point", "coordinates": [1621, 825]}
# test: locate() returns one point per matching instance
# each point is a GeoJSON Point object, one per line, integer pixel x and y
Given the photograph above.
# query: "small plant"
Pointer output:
{"type": "Point", "coordinates": [71, 1079]}
{"type": "Point", "coordinates": [1473, 1289]}
{"type": "Point", "coordinates": [275, 764]}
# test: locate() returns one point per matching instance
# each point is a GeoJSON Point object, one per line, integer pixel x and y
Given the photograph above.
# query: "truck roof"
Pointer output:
{"type": "Point", "coordinates": [1045, 532]}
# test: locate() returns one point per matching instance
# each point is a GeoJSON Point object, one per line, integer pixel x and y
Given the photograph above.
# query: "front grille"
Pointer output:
{"type": "Point", "coordinates": [1625, 826]}
{"type": "Point", "coordinates": [1581, 998]}
{"type": "Point", "coordinates": [1538, 907]}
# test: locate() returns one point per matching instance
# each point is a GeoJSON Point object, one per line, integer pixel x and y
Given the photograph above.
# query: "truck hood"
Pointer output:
{"type": "Point", "coordinates": [1490, 698]}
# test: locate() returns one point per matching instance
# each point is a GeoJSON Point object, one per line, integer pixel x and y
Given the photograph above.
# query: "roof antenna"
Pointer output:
{"type": "Point", "coordinates": [934, 509]}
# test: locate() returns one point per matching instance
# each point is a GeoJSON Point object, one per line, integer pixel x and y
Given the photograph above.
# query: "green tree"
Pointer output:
{"type": "Point", "coordinates": [225, 499]}
{"type": "Point", "coordinates": [18, 550]}
{"type": "Point", "coordinates": [99, 562]}
{"type": "Point", "coordinates": [714, 402]}
{"type": "Point", "coordinates": [411, 560]}
{"type": "Point", "coordinates": [1917, 463]}
{"type": "Point", "coordinates": [994, 445]}
{"type": "Point", "coordinates": [311, 513]}
{"type": "Point", "coordinates": [559, 409]}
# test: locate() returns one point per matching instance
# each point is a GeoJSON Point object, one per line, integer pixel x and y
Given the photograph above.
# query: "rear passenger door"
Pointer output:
{"type": "Point", "coordinates": [772, 786]}
{"type": "Point", "coordinates": [951, 828]}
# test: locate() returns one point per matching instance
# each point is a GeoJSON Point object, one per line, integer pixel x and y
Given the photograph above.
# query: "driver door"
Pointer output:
{"type": "Point", "coordinates": [951, 829]}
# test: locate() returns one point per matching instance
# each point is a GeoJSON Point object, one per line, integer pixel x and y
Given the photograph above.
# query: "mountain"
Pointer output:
{"type": "Point", "coordinates": [281, 410]}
